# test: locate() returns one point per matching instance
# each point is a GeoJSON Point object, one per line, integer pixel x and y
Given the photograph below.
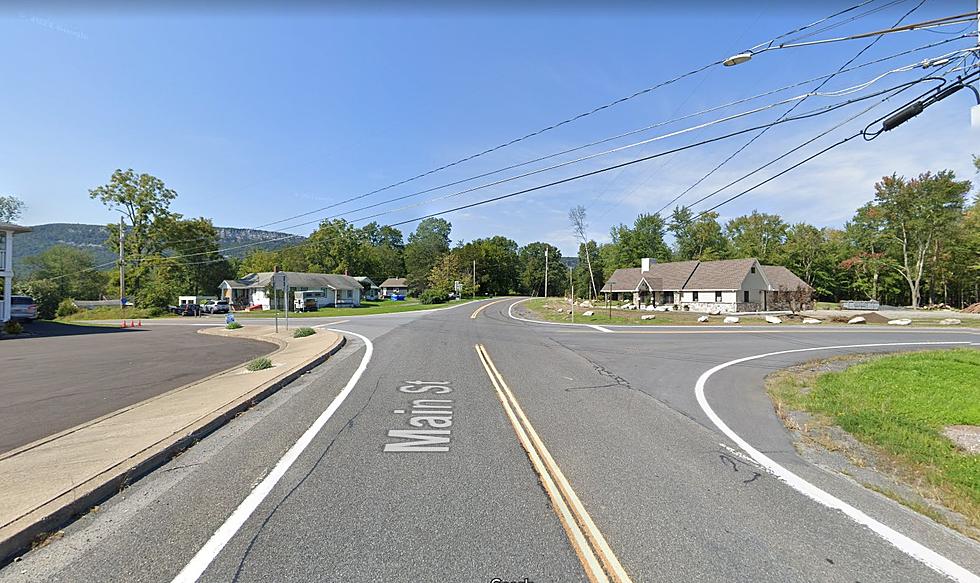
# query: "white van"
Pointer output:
{"type": "Point", "coordinates": [312, 300]}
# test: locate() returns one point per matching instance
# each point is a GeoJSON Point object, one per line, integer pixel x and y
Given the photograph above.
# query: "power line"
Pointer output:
{"type": "Point", "coordinates": [787, 112]}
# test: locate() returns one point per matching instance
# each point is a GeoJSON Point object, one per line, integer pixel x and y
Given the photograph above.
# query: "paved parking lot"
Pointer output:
{"type": "Point", "coordinates": [59, 376]}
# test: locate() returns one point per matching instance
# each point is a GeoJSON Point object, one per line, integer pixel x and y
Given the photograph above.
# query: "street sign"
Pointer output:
{"type": "Point", "coordinates": [279, 280]}
{"type": "Point", "coordinates": [458, 286]}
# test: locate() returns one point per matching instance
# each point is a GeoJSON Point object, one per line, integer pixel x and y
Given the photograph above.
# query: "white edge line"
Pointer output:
{"type": "Point", "coordinates": [903, 543]}
{"type": "Point", "coordinates": [204, 557]}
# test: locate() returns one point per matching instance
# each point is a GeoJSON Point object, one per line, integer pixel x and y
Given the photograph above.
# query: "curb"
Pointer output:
{"type": "Point", "coordinates": [102, 489]}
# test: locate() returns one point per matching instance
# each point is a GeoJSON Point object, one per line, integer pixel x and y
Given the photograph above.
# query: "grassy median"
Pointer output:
{"type": "Point", "coordinates": [899, 405]}
{"type": "Point", "coordinates": [366, 308]}
{"type": "Point", "coordinates": [547, 309]}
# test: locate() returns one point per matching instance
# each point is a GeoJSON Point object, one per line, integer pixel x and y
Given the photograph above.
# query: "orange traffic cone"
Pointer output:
{"type": "Point", "coordinates": [140, 324]}
{"type": "Point", "coordinates": [132, 324]}
{"type": "Point", "coordinates": [123, 325]}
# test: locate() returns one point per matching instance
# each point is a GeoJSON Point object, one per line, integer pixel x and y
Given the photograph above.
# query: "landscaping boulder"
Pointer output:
{"type": "Point", "coordinates": [811, 321]}
{"type": "Point", "coordinates": [715, 311]}
{"type": "Point", "coordinates": [950, 322]}
{"type": "Point", "coordinates": [773, 320]}
{"type": "Point", "coordinates": [899, 322]}
{"type": "Point", "coordinates": [703, 318]}
{"type": "Point", "coordinates": [647, 317]}
{"type": "Point", "coordinates": [662, 309]}
{"type": "Point", "coordinates": [731, 319]}
{"type": "Point", "coordinates": [650, 308]}
{"type": "Point", "coordinates": [588, 314]}
{"type": "Point", "coordinates": [857, 320]}
{"type": "Point", "coordinates": [586, 304]}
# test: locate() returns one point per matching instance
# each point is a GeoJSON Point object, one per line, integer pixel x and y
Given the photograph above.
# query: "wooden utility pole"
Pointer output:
{"type": "Point", "coordinates": [474, 279]}
{"type": "Point", "coordinates": [545, 272]}
{"type": "Point", "coordinates": [122, 266]}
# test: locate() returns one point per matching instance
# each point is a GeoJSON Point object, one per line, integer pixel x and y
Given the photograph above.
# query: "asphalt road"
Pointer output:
{"type": "Point", "coordinates": [63, 375]}
{"type": "Point", "coordinates": [674, 497]}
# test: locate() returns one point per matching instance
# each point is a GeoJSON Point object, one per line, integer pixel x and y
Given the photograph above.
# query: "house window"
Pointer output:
{"type": "Point", "coordinates": [694, 296]}
{"type": "Point", "coordinates": [745, 296]}
{"type": "Point", "coordinates": [717, 296]}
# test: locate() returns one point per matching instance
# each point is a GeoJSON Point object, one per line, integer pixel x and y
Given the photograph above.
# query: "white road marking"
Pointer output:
{"type": "Point", "coordinates": [903, 543]}
{"type": "Point", "coordinates": [204, 557]}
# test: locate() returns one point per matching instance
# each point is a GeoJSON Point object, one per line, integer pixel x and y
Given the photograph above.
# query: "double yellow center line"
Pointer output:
{"type": "Point", "coordinates": [593, 551]}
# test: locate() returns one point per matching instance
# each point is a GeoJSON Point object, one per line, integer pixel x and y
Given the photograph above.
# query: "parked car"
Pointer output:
{"type": "Point", "coordinates": [188, 310]}
{"type": "Point", "coordinates": [23, 308]}
{"type": "Point", "coordinates": [216, 307]}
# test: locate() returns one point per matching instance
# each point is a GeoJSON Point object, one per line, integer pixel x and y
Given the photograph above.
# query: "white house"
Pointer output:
{"type": "Point", "coordinates": [255, 288]}
{"type": "Point", "coordinates": [371, 289]}
{"type": "Point", "coordinates": [730, 285]}
{"type": "Point", "coordinates": [394, 286]}
{"type": "Point", "coordinates": [7, 231]}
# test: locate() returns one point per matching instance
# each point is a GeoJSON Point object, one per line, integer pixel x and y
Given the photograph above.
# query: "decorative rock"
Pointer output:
{"type": "Point", "coordinates": [731, 319]}
{"type": "Point", "coordinates": [811, 321]}
{"type": "Point", "coordinates": [950, 322]}
{"type": "Point", "coordinates": [585, 304]}
{"type": "Point", "coordinates": [662, 309]}
{"type": "Point", "coordinates": [588, 314]}
{"type": "Point", "coordinates": [900, 322]}
{"type": "Point", "coordinates": [773, 320]}
{"type": "Point", "coordinates": [647, 317]}
{"type": "Point", "coordinates": [650, 308]}
{"type": "Point", "coordinates": [703, 319]}
{"type": "Point", "coordinates": [857, 320]}
{"type": "Point", "coordinates": [715, 311]}
{"type": "Point", "coordinates": [561, 309]}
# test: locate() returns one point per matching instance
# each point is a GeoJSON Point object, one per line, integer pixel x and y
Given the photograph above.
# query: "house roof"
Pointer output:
{"type": "Point", "coordinates": [660, 276]}
{"type": "Point", "coordinates": [366, 282]}
{"type": "Point", "coordinates": [718, 275]}
{"type": "Point", "coordinates": [781, 278]}
{"type": "Point", "coordinates": [394, 282]}
{"type": "Point", "coordinates": [295, 279]}
{"type": "Point", "coordinates": [14, 228]}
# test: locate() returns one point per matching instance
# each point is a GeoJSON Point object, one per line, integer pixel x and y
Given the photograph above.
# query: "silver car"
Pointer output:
{"type": "Point", "coordinates": [23, 308]}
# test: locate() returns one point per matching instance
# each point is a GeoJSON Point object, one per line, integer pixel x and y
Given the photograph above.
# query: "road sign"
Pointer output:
{"type": "Point", "coordinates": [279, 280]}
{"type": "Point", "coordinates": [458, 286]}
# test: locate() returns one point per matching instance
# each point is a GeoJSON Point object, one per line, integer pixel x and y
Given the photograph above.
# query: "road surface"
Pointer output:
{"type": "Point", "coordinates": [67, 375]}
{"type": "Point", "coordinates": [570, 449]}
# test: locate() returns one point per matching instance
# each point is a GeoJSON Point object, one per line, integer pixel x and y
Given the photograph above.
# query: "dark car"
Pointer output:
{"type": "Point", "coordinates": [189, 310]}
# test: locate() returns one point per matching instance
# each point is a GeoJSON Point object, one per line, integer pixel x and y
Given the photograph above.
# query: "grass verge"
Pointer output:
{"type": "Point", "coordinates": [898, 405]}
{"type": "Point", "coordinates": [366, 308]}
{"type": "Point", "coordinates": [547, 309]}
{"type": "Point", "coordinates": [117, 314]}
{"type": "Point", "coordinates": [303, 332]}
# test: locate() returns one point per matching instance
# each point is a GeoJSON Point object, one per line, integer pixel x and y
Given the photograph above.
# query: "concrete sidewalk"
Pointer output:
{"type": "Point", "coordinates": [46, 483]}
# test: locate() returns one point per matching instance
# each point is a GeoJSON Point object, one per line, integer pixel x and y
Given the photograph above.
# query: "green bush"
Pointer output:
{"type": "Point", "coordinates": [433, 297]}
{"type": "Point", "coordinates": [66, 308]}
{"type": "Point", "coordinates": [303, 332]}
{"type": "Point", "coordinates": [156, 312]}
{"type": "Point", "coordinates": [13, 327]}
{"type": "Point", "coordinates": [232, 326]}
{"type": "Point", "coordinates": [260, 363]}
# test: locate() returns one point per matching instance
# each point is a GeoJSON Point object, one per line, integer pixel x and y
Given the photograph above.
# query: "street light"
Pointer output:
{"type": "Point", "coordinates": [737, 59]}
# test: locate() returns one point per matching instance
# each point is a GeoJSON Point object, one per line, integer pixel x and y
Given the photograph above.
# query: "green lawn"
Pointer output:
{"type": "Point", "coordinates": [116, 314]}
{"type": "Point", "coordinates": [899, 405]}
{"type": "Point", "coordinates": [366, 308]}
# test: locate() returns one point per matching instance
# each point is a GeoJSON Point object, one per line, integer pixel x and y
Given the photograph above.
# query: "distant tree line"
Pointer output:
{"type": "Point", "coordinates": [916, 242]}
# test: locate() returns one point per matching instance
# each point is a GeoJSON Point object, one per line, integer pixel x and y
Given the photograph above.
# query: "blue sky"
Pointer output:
{"type": "Point", "coordinates": [253, 116]}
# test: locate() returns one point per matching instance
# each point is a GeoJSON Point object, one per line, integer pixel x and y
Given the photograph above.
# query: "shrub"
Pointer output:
{"type": "Point", "coordinates": [232, 326]}
{"type": "Point", "coordinates": [303, 332]}
{"type": "Point", "coordinates": [432, 296]}
{"type": "Point", "coordinates": [155, 312]}
{"type": "Point", "coordinates": [13, 327]}
{"type": "Point", "coordinates": [260, 363]}
{"type": "Point", "coordinates": [66, 308]}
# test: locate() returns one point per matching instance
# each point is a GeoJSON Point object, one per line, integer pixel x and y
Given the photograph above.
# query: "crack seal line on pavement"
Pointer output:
{"type": "Point", "coordinates": [204, 557]}
{"type": "Point", "coordinates": [477, 311]}
{"type": "Point", "coordinates": [591, 547]}
{"type": "Point", "coordinates": [914, 549]}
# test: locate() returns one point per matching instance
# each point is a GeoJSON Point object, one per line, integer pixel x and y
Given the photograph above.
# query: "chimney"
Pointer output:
{"type": "Point", "coordinates": [645, 263]}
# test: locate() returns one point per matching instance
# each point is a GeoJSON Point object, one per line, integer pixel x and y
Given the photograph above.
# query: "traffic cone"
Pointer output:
{"type": "Point", "coordinates": [140, 324]}
{"type": "Point", "coordinates": [132, 324]}
{"type": "Point", "coordinates": [123, 325]}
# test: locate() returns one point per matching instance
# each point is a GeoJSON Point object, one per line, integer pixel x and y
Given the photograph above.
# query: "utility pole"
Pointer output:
{"type": "Point", "coordinates": [474, 279]}
{"type": "Point", "coordinates": [571, 285]}
{"type": "Point", "coordinates": [122, 267]}
{"type": "Point", "coordinates": [546, 270]}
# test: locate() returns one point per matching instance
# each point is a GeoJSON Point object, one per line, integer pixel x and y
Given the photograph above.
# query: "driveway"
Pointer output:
{"type": "Point", "coordinates": [59, 375]}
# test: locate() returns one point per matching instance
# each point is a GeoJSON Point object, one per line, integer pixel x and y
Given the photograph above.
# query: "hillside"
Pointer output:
{"type": "Point", "coordinates": [93, 237]}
